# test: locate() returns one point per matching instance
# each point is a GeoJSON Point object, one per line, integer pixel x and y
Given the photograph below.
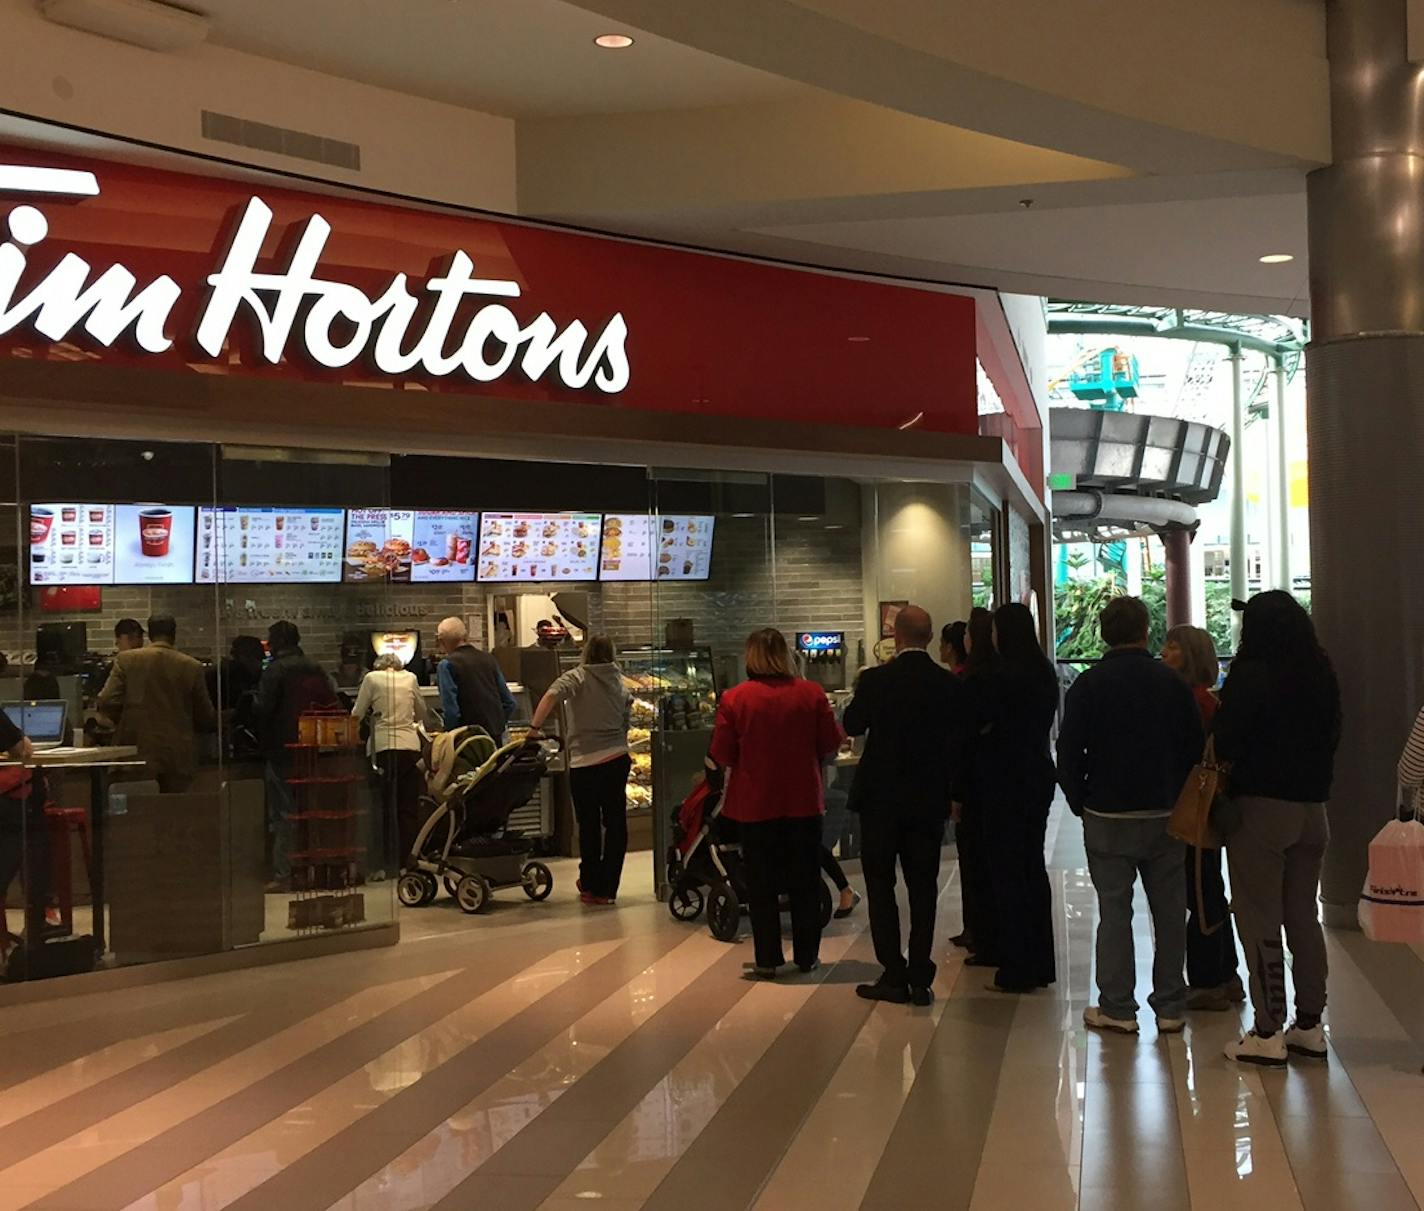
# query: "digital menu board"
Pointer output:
{"type": "Point", "coordinates": [539, 546]}
{"type": "Point", "coordinates": [245, 545]}
{"type": "Point", "coordinates": [420, 545]}
{"type": "Point", "coordinates": [667, 547]}
{"type": "Point", "coordinates": [111, 544]}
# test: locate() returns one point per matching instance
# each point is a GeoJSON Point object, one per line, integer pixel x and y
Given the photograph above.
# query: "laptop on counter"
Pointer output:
{"type": "Point", "coordinates": [45, 721]}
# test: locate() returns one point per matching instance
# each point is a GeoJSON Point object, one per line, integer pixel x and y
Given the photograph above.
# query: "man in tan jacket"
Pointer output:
{"type": "Point", "coordinates": [157, 699]}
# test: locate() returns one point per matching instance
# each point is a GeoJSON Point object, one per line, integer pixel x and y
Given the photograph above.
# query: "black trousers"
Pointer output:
{"type": "Point", "coordinates": [25, 851]}
{"type": "Point", "coordinates": [401, 785]}
{"type": "Point", "coordinates": [885, 840]}
{"type": "Point", "coordinates": [600, 795]}
{"type": "Point", "coordinates": [1022, 896]}
{"type": "Point", "coordinates": [1210, 960]}
{"type": "Point", "coordinates": [784, 855]}
{"type": "Point", "coordinates": [972, 881]}
{"type": "Point", "coordinates": [832, 869]}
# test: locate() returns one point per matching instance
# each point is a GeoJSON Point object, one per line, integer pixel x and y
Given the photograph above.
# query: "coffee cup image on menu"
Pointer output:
{"type": "Point", "coordinates": [41, 521]}
{"type": "Point", "coordinates": [155, 532]}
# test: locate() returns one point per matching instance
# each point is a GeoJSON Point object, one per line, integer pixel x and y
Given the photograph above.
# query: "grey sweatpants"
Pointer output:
{"type": "Point", "coordinates": [1275, 856]}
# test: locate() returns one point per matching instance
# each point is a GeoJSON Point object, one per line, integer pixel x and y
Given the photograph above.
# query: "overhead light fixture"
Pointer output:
{"type": "Point", "coordinates": [811, 517]}
{"type": "Point", "coordinates": [835, 527]}
{"type": "Point", "coordinates": [613, 41]}
{"type": "Point", "coordinates": [743, 514]}
{"type": "Point", "coordinates": [859, 340]}
{"type": "Point", "coordinates": [146, 23]}
{"type": "Point", "coordinates": [1276, 258]}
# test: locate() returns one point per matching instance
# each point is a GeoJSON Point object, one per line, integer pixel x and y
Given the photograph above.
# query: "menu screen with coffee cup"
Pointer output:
{"type": "Point", "coordinates": [153, 544]}
{"type": "Point", "coordinates": [539, 546]}
{"type": "Point", "coordinates": [92, 544]}
{"type": "Point", "coordinates": [404, 545]}
{"type": "Point", "coordinates": [667, 546]}
{"type": "Point", "coordinates": [244, 545]}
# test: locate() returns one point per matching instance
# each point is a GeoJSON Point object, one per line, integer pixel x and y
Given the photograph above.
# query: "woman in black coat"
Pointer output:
{"type": "Point", "coordinates": [1015, 705]}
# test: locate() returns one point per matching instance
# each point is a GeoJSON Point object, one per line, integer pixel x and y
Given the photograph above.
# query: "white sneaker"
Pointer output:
{"type": "Point", "coordinates": [1095, 1019]}
{"type": "Point", "coordinates": [1171, 1025]}
{"type": "Point", "coordinates": [1309, 1043]}
{"type": "Point", "coordinates": [1251, 1048]}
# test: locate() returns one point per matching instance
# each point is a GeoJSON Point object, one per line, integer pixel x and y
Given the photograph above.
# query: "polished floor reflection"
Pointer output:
{"type": "Point", "coordinates": [552, 1057]}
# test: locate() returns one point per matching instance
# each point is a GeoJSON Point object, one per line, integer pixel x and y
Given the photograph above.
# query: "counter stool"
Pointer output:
{"type": "Point", "coordinates": [63, 823]}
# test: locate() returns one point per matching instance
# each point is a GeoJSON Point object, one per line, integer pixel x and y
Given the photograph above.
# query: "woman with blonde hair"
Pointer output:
{"type": "Point", "coordinates": [772, 734]}
{"type": "Point", "coordinates": [1212, 978]}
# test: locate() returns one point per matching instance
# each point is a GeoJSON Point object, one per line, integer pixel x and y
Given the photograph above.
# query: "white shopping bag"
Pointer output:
{"type": "Point", "coordinates": [1392, 903]}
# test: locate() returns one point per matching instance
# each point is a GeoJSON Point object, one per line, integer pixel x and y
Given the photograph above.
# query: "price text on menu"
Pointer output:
{"type": "Point", "coordinates": [239, 545]}
{"type": "Point", "coordinates": [661, 547]}
{"type": "Point", "coordinates": [539, 546]}
{"type": "Point", "coordinates": [411, 545]}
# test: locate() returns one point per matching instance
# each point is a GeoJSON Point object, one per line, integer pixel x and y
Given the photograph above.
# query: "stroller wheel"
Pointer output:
{"type": "Point", "coordinates": [452, 882]}
{"type": "Point", "coordinates": [411, 889]}
{"type": "Point", "coordinates": [538, 880]}
{"type": "Point", "coordinates": [724, 913]}
{"type": "Point", "coordinates": [472, 893]}
{"type": "Point", "coordinates": [686, 902]}
{"type": "Point", "coordinates": [432, 888]}
{"type": "Point", "coordinates": [827, 904]}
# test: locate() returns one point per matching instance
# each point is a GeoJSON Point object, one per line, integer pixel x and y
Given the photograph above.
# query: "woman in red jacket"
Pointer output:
{"type": "Point", "coordinates": [772, 733]}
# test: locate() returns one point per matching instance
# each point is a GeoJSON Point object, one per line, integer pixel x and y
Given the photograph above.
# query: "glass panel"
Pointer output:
{"type": "Point", "coordinates": [127, 850]}
{"type": "Point", "coordinates": [306, 602]}
{"type": "Point", "coordinates": [985, 554]}
{"type": "Point", "coordinates": [706, 600]}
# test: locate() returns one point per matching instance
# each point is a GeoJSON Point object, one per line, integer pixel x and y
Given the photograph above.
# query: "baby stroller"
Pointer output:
{"type": "Point", "coordinates": [706, 853]}
{"type": "Point", "coordinates": [465, 840]}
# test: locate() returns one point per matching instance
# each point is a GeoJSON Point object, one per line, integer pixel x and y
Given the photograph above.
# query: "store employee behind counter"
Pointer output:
{"type": "Point", "coordinates": [157, 698]}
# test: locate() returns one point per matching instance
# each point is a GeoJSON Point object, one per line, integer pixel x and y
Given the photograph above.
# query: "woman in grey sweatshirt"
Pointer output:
{"type": "Point", "coordinates": [599, 762]}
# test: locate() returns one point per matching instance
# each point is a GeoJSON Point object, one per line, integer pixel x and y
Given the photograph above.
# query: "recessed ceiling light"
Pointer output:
{"type": "Point", "coordinates": [812, 517]}
{"type": "Point", "coordinates": [1276, 258]}
{"type": "Point", "coordinates": [613, 41]}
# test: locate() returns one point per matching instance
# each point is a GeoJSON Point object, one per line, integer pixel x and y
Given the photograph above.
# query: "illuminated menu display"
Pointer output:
{"type": "Point", "coordinates": [241, 545]}
{"type": "Point", "coordinates": [111, 544]}
{"type": "Point", "coordinates": [539, 546]}
{"type": "Point", "coordinates": [420, 545]}
{"type": "Point", "coordinates": [668, 547]}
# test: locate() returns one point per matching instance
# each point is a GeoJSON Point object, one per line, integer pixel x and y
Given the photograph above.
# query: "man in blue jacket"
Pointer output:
{"type": "Point", "coordinates": [1131, 735]}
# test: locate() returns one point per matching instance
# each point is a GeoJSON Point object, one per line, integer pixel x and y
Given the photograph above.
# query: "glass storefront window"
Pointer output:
{"type": "Point", "coordinates": [288, 573]}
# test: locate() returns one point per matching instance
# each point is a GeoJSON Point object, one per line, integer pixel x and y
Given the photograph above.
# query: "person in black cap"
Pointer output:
{"type": "Point", "coordinates": [128, 635]}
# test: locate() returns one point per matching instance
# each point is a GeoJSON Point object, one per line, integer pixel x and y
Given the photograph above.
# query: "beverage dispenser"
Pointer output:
{"type": "Point", "coordinates": [823, 657]}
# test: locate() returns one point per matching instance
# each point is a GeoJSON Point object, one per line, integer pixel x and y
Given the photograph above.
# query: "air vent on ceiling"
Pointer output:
{"type": "Point", "coordinates": [224, 128]}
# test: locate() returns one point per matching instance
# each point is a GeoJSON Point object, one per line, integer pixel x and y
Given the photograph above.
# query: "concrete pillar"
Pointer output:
{"type": "Point", "coordinates": [1280, 501]}
{"type": "Point", "coordinates": [1178, 547]}
{"type": "Point", "coordinates": [1240, 555]}
{"type": "Point", "coordinates": [1365, 411]}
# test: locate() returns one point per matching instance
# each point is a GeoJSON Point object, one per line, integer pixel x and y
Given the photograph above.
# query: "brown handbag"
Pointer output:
{"type": "Point", "coordinates": [1191, 817]}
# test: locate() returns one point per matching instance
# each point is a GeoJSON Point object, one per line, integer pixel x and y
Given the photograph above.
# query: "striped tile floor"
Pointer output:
{"type": "Point", "coordinates": [548, 1057]}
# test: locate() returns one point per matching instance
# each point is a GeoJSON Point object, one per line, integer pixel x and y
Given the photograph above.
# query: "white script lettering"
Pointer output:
{"type": "Point", "coordinates": [332, 323]}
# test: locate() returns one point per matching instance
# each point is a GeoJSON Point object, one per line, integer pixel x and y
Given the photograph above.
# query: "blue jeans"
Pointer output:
{"type": "Point", "coordinates": [280, 807]}
{"type": "Point", "coordinates": [1120, 849]}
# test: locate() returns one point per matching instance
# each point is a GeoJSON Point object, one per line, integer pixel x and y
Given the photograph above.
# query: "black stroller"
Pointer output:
{"type": "Point", "coordinates": [707, 854]}
{"type": "Point", "coordinates": [465, 840]}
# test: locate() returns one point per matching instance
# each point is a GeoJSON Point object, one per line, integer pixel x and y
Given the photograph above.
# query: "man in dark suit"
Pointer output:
{"type": "Point", "coordinates": [916, 716]}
